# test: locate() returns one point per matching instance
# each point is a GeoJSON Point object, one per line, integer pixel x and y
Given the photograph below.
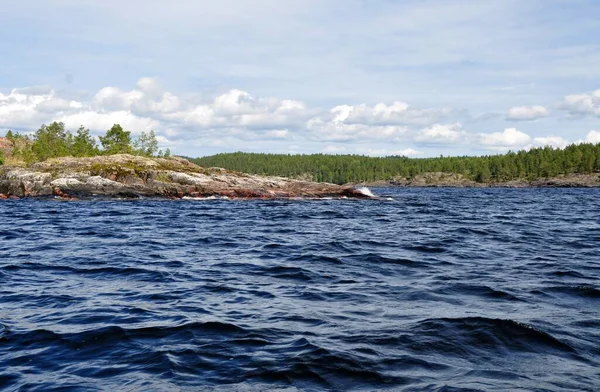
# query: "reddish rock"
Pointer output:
{"type": "Point", "coordinates": [133, 176]}
{"type": "Point", "coordinates": [61, 194]}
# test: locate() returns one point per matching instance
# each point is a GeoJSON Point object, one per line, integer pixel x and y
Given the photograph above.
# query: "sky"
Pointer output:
{"type": "Point", "coordinates": [377, 77]}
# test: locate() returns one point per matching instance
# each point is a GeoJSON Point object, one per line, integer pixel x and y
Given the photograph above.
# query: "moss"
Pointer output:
{"type": "Point", "coordinates": [108, 170]}
{"type": "Point", "coordinates": [175, 165]}
{"type": "Point", "coordinates": [163, 177]}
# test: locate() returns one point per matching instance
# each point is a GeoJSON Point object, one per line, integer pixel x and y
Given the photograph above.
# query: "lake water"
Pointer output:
{"type": "Point", "coordinates": [438, 290]}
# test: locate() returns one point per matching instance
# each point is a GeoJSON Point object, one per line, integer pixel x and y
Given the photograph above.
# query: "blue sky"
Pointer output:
{"type": "Point", "coordinates": [419, 78]}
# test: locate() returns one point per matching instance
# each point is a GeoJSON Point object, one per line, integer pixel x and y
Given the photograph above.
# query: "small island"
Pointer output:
{"type": "Point", "coordinates": [130, 176]}
{"type": "Point", "coordinates": [56, 163]}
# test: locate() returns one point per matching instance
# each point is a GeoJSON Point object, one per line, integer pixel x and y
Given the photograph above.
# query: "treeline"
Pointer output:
{"type": "Point", "coordinates": [342, 169]}
{"type": "Point", "coordinates": [54, 140]}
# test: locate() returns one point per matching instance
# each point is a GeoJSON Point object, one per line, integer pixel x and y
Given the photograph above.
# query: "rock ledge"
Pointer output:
{"type": "Point", "coordinates": [128, 176]}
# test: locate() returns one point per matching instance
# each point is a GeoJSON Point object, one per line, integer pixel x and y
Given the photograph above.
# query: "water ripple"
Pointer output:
{"type": "Point", "coordinates": [439, 290]}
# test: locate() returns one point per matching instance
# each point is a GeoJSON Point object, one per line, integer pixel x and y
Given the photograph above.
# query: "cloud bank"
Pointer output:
{"type": "Point", "coordinates": [587, 104]}
{"type": "Point", "coordinates": [527, 113]}
{"type": "Point", "coordinates": [234, 119]}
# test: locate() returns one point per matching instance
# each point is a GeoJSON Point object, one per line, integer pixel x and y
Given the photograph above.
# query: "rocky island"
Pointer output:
{"type": "Point", "coordinates": [130, 176]}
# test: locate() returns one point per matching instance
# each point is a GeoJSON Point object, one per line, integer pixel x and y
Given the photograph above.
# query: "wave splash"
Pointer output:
{"type": "Point", "coordinates": [365, 191]}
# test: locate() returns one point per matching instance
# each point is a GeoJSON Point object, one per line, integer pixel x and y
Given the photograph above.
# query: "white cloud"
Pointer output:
{"type": "Point", "coordinates": [593, 137]}
{"type": "Point", "coordinates": [24, 107]}
{"type": "Point", "coordinates": [514, 139]}
{"type": "Point", "coordinates": [112, 98]}
{"type": "Point", "coordinates": [381, 121]}
{"type": "Point", "coordinates": [277, 133]}
{"type": "Point", "coordinates": [387, 152]}
{"type": "Point", "coordinates": [235, 114]}
{"type": "Point", "coordinates": [330, 149]}
{"type": "Point", "coordinates": [340, 131]}
{"type": "Point", "coordinates": [235, 119]}
{"type": "Point", "coordinates": [582, 104]}
{"type": "Point", "coordinates": [397, 113]}
{"type": "Point", "coordinates": [441, 133]}
{"type": "Point", "coordinates": [509, 138]}
{"type": "Point", "coordinates": [552, 141]}
{"type": "Point", "coordinates": [527, 113]}
{"type": "Point", "coordinates": [100, 122]}
{"type": "Point", "coordinates": [150, 87]}
{"type": "Point", "coordinates": [237, 108]}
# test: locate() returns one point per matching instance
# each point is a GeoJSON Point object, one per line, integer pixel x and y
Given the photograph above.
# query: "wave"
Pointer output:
{"type": "Point", "coordinates": [584, 291]}
{"type": "Point", "coordinates": [474, 335]}
{"type": "Point", "coordinates": [365, 191]}
{"type": "Point", "coordinates": [443, 290]}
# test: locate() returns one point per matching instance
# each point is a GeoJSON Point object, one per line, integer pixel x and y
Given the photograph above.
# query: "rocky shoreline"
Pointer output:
{"type": "Point", "coordinates": [453, 180]}
{"type": "Point", "coordinates": [132, 177]}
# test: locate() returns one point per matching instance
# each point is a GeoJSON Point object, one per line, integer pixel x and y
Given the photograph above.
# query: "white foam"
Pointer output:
{"type": "Point", "coordinates": [206, 198]}
{"type": "Point", "coordinates": [365, 191]}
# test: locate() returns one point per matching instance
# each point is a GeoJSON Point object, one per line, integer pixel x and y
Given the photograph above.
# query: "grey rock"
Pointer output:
{"type": "Point", "coordinates": [133, 176]}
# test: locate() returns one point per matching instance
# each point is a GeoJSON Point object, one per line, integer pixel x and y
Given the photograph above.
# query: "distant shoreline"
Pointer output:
{"type": "Point", "coordinates": [452, 180]}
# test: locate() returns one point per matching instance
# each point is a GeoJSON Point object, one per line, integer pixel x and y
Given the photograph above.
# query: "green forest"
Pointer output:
{"type": "Point", "coordinates": [342, 169]}
{"type": "Point", "coordinates": [54, 140]}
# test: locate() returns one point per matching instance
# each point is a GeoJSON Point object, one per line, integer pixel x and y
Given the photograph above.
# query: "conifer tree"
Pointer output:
{"type": "Point", "coordinates": [116, 141]}
{"type": "Point", "coordinates": [51, 141]}
{"type": "Point", "coordinates": [146, 144]}
{"type": "Point", "coordinates": [84, 145]}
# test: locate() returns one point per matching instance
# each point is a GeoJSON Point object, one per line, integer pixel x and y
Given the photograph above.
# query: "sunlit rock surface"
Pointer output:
{"type": "Point", "coordinates": [128, 176]}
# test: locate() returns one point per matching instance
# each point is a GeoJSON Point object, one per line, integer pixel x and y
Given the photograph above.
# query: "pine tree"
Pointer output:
{"type": "Point", "coordinates": [146, 144]}
{"type": "Point", "coordinates": [116, 141]}
{"type": "Point", "coordinates": [84, 145]}
{"type": "Point", "coordinates": [51, 141]}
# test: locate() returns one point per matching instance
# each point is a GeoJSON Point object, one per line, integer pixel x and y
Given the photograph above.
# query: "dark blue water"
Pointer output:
{"type": "Point", "coordinates": [441, 289]}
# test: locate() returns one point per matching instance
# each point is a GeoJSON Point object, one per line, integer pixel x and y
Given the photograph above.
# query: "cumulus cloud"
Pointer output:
{"type": "Point", "coordinates": [441, 133]}
{"type": "Point", "coordinates": [100, 121]}
{"type": "Point", "coordinates": [407, 152]}
{"type": "Point", "coordinates": [509, 138]}
{"type": "Point", "coordinates": [331, 149]}
{"type": "Point", "coordinates": [338, 130]}
{"type": "Point", "coordinates": [397, 113]}
{"type": "Point", "coordinates": [552, 141]}
{"type": "Point", "coordinates": [277, 133]}
{"type": "Point", "coordinates": [582, 104]}
{"type": "Point", "coordinates": [234, 118]}
{"type": "Point", "coordinates": [21, 107]}
{"type": "Point", "coordinates": [150, 87]}
{"type": "Point", "coordinates": [527, 113]}
{"type": "Point", "coordinates": [381, 121]}
{"type": "Point", "coordinates": [593, 137]}
{"type": "Point", "coordinates": [238, 108]}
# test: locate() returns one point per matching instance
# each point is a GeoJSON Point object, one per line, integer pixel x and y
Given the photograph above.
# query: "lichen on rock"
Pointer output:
{"type": "Point", "coordinates": [126, 175]}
